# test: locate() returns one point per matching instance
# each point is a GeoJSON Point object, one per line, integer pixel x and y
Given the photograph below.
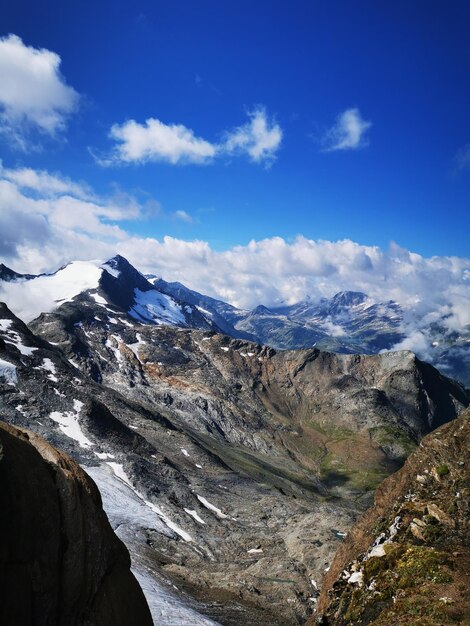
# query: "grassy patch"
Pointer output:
{"type": "Point", "coordinates": [392, 437]}
{"type": "Point", "coordinates": [403, 581]}
{"type": "Point", "coordinates": [334, 472]}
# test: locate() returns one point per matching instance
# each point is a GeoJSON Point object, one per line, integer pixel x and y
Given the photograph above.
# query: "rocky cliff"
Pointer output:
{"type": "Point", "coordinates": [407, 561]}
{"type": "Point", "coordinates": [60, 562]}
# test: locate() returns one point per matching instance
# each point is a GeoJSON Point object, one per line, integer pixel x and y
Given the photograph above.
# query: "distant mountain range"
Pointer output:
{"type": "Point", "coordinates": [348, 323]}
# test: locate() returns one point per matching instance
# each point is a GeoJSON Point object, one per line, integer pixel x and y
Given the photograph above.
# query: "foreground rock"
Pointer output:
{"type": "Point", "coordinates": [60, 562]}
{"type": "Point", "coordinates": [407, 561]}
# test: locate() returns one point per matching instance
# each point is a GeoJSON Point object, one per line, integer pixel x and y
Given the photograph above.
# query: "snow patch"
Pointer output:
{"type": "Point", "coordinates": [70, 426]}
{"type": "Point", "coordinates": [153, 306]}
{"type": "Point", "coordinates": [211, 507]}
{"type": "Point", "coordinates": [5, 324]}
{"type": "Point", "coordinates": [14, 339]}
{"type": "Point", "coordinates": [195, 515]}
{"type": "Point", "coordinates": [49, 366]}
{"type": "Point", "coordinates": [98, 299]}
{"type": "Point", "coordinates": [104, 455]}
{"type": "Point", "coordinates": [121, 474]}
{"type": "Point", "coordinates": [136, 345]}
{"type": "Point", "coordinates": [115, 350]}
{"type": "Point", "coordinates": [111, 270]}
{"type": "Point", "coordinates": [29, 298]}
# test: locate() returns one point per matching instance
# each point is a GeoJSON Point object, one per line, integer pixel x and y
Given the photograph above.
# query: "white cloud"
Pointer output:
{"type": "Point", "coordinates": [348, 132]}
{"type": "Point", "coordinates": [45, 183]}
{"type": "Point", "coordinates": [33, 93]}
{"type": "Point", "coordinates": [156, 141]}
{"type": "Point", "coordinates": [259, 138]}
{"type": "Point", "coordinates": [46, 219]}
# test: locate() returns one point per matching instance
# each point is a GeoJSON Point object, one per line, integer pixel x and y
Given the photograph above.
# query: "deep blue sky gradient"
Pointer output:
{"type": "Point", "coordinates": [404, 64]}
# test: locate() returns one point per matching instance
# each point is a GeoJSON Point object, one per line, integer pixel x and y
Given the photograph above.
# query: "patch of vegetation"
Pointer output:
{"type": "Point", "coordinates": [419, 609]}
{"type": "Point", "coordinates": [392, 437]}
{"type": "Point", "coordinates": [405, 571]}
{"type": "Point", "coordinates": [332, 431]}
{"type": "Point", "coordinates": [442, 470]}
{"type": "Point", "coordinates": [334, 472]}
{"type": "Point", "coordinates": [433, 531]}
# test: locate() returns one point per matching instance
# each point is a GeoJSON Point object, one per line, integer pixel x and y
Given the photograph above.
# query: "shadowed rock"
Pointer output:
{"type": "Point", "coordinates": [60, 562]}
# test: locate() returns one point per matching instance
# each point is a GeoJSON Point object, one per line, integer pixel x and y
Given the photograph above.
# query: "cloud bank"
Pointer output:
{"type": "Point", "coordinates": [260, 139]}
{"type": "Point", "coordinates": [33, 93]}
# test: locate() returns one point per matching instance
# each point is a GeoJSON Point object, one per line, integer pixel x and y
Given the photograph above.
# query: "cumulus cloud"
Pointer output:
{"type": "Point", "coordinates": [259, 139]}
{"type": "Point", "coordinates": [33, 93]}
{"type": "Point", "coordinates": [46, 219]}
{"type": "Point", "coordinates": [348, 132]}
{"type": "Point", "coordinates": [156, 141]}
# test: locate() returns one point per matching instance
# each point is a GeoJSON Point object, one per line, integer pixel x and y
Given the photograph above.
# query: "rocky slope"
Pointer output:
{"type": "Point", "coordinates": [60, 562]}
{"type": "Point", "coordinates": [321, 420]}
{"type": "Point", "coordinates": [407, 561]}
{"type": "Point", "coordinates": [231, 470]}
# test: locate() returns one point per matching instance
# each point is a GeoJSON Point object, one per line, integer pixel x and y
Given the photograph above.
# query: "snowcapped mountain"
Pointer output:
{"type": "Point", "coordinates": [224, 315]}
{"type": "Point", "coordinates": [115, 285]}
{"type": "Point", "coordinates": [350, 322]}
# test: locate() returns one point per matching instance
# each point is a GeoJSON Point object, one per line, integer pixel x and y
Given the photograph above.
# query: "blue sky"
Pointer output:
{"type": "Point", "coordinates": [403, 65]}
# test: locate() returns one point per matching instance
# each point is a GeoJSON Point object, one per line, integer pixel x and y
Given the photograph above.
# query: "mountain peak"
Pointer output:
{"type": "Point", "coordinates": [348, 298]}
{"type": "Point", "coordinates": [262, 310]}
{"type": "Point", "coordinates": [117, 264]}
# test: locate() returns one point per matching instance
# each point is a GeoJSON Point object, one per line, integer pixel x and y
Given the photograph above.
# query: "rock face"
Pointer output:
{"type": "Point", "coordinates": [407, 561]}
{"type": "Point", "coordinates": [60, 562]}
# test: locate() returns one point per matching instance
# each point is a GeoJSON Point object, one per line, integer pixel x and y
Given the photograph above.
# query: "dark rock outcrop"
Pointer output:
{"type": "Point", "coordinates": [407, 561]}
{"type": "Point", "coordinates": [60, 562]}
